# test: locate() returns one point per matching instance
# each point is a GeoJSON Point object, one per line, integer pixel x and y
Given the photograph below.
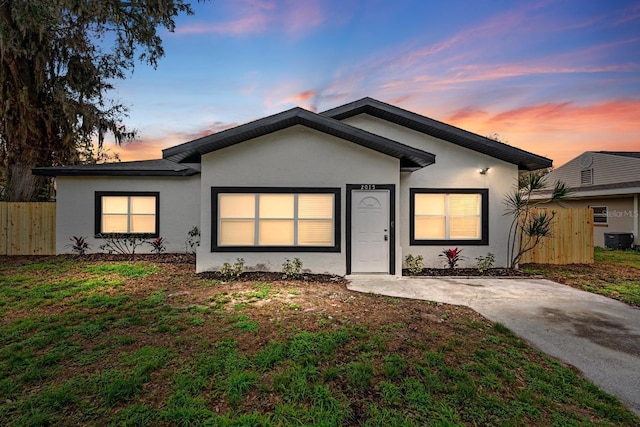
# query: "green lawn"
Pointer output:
{"type": "Point", "coordinates": [124, 344]}
{"type": "Point", "coordinates": [615, 274]}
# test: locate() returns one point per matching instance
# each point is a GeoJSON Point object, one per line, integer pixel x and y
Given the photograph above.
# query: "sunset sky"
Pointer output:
{"type": "Point", "coordinates": [553, 77]}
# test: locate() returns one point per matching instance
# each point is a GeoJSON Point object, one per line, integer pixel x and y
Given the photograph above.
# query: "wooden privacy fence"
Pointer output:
{"type": "Point", "coordinates": [571, 241]}
{"type": "Point", "coordinates": [27, 228]}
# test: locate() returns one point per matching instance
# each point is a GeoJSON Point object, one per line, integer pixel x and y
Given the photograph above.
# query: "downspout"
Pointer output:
{"type": "Point", "coordinates": [636, 222]}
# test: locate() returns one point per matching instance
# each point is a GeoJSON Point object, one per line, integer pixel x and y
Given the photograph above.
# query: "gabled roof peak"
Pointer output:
{"type": "Point", "coordinates": [524, 159]}
{"type": "Point", "coordinates": [410, 158]}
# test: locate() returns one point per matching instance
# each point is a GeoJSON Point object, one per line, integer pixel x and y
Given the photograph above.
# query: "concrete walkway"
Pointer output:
{"type": "Point", "coordinates": [598, 335]}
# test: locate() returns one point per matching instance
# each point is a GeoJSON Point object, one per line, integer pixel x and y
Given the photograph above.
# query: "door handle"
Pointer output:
{"type": "Point", "coordinates": [386, 237]}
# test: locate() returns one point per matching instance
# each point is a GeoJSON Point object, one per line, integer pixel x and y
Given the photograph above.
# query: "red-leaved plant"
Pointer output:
{"type": "Point", "coordinates": [453, 257]}
{"type": "Point", "coordinates": [79, 245]}
{"type": "Point", "coordinates": [157, 245]}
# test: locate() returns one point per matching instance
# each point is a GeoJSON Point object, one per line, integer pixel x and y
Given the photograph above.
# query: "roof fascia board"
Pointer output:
{"type": "Point", "coordinates": [67, 171]}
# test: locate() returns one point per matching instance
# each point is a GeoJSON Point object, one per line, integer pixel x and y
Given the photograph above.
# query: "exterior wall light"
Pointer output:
{"type": "Point", "coordinates": [483, 171]}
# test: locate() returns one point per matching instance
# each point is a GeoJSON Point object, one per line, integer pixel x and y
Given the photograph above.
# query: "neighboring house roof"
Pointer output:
{"type": "Point", "coordinates": [524, 159]}
{"type": "Point", "coordinates": [160, 167]}
{"type": "Point", "coordinates": [602, 190]}
{"type": "Point", "coordinates": [599, 174]}
{"type": "Point", "coordinates": [634, 154]}
{"type": "Point", "coordinates": [410, 158]}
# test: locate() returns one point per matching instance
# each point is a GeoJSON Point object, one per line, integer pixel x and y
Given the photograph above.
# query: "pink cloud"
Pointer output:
{"type": "Point", "coordinates": [260, 16]}
{"type": "Point", "coordinates": [146, 148]}
{"type": "Point", "coordinates": [560, 130]}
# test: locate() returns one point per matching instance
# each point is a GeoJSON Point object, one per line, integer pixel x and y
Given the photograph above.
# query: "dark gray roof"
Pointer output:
{"type": "Point", "coordinates": [410, 158]}
{"type": "Point", "coordinates": [635, 154]}
{"type": "Point", "coordinates": [160, 167]}
{"type": "Point", "coordinates": [524, 159]}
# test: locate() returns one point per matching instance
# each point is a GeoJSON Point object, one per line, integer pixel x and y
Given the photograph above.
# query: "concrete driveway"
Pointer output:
{"type": "Point", "coordinates": [598, 335]}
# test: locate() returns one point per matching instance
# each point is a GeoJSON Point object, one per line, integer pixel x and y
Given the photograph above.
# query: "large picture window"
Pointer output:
{"type": "Point", "coordinates": [266, 219]}
{"type": "Point", "coordinates": [452, 216]}
{"type": "Point", "coordinates": [127, 213]}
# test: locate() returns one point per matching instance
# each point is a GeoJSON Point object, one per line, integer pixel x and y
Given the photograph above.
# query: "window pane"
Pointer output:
{"type": "Point", "coordinates": [143, 205]}
{"type": "Point", "coordinates": [115, 223]}
{"type": "Point", "coordinates": [430, 204]}
{"type": "Point", "coordinates": [236, 233]}
{"type": "Point", "coordinates": [143, 224]}
{"type": "Point", "coordinates": [464, 204]}
{"type": "Point", "coordinates": [276, 232]}
{"type": "Point", "coordinates": [599, 214]}
{"type": "Point", "coordinates": [315, 206]}
{"type": "Point", "coordinates": [276, 205]}
{"type": "Point", "coordinates": [115, 205]}
{"type": "Point", "coordinates": [464, 228]}
{"type": "Point", "coordinates": [237, 205]}
{"type": "Point", "coordinates": [432, 227]}
{"type": "Point", "coordinates": [315, 232]}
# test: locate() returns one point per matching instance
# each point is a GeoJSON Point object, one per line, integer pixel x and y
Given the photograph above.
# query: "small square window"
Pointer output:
{"type": "Point", "coordinates": [133, 213]}
{"type": "Point", "coordinates": [600, 214]}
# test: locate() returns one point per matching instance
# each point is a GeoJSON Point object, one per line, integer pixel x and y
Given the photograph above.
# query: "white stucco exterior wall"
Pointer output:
{"type": "Point", "coordinates": [455, 167]}
{"type": "Point", "coordinates": [293, 157]}
{"type": "Point", "coordinates": [75, 207]}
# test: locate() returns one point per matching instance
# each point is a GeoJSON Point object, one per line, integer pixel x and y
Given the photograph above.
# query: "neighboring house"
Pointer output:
{"type": "Point", "coordinates": [609, 183]}
{"type": "Point", "coordinates": [350, 190]}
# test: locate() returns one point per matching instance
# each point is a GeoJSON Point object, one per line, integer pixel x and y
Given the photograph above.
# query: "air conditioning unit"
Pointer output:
{"type": "Point", "coordinates": [618, 240]}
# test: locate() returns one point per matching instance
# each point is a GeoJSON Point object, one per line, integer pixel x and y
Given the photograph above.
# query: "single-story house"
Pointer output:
{"type": "Point", "coordinates": [351, 190]}
{"type": "Point", "coordinates": [609, 183]}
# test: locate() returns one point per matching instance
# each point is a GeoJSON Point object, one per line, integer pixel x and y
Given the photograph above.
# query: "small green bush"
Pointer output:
{"type": "Point", "coordinates": [232, 271]}
{"type": "Point", "coordinates": [485, 263]}
{"type": "Point", "coordinates": [414, 264]}
{"type": "Point", "coordinates": [292, 269]}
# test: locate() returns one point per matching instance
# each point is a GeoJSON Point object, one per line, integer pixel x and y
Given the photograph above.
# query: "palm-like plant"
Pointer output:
{"type": "Point", "coordinates": [529, 226]}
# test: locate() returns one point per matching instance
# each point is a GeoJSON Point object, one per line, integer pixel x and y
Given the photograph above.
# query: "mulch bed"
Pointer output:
{"type": "Point", "coordinates": [184, 258]}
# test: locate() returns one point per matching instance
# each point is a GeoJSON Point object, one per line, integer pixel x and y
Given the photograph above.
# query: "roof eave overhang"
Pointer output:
{"type": "Point", "coordinates": [71, 172]}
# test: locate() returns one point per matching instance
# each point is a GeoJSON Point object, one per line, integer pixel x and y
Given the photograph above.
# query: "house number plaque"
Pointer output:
{"type": "Point", "coordinates": [368, 187]}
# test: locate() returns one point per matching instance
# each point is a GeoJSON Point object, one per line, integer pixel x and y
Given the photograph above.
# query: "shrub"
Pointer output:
{"type": "Point", "coordinates": [414, 264]}
{"type": "Point", "coordinates": [124, 244]}
{"type": "Point", "coordinates": [158, 245]}
{"type": "Point", "coordinates": [79, 245]}
{"type": "Point", "coordinates": [452, 256]}
{"type": "Point", "coordinates": [232, 271]}
{"type": "Point", "coordinates": [291, 269]}
{"type": "Point", "coordinates": [485, 263]}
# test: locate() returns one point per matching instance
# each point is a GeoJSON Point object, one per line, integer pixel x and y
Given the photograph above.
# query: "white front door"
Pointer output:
{"type": "Point", "coordinates": [370, 231]}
